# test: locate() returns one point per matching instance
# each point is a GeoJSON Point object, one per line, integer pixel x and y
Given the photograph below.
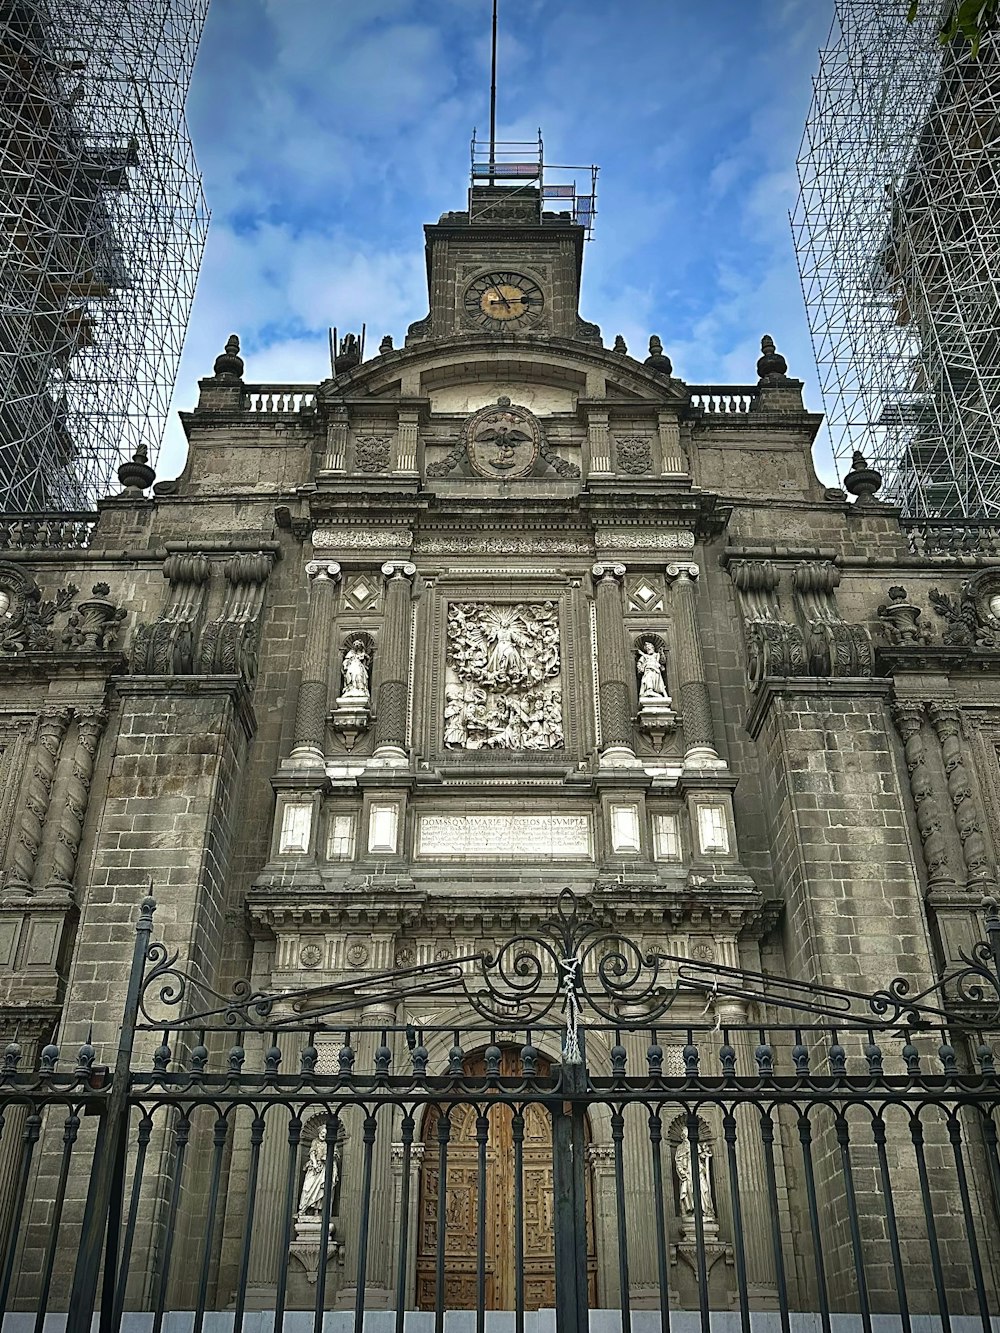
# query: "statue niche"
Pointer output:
{"type": "Point", "coordinates": [352, 712]}
{"type": "Point", "coordinates": [503, 689]}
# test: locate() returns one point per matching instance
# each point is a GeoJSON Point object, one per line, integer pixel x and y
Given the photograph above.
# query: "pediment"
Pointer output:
{"type": "Point", "coordinates": [461, 375]}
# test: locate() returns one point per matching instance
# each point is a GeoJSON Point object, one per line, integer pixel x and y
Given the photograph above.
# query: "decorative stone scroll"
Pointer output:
{"type": "Point", "coordinates": [503, 687]}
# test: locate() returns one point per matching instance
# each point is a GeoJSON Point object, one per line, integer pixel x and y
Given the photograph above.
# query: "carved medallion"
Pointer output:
{"type": "Point", "coordinates": [502, 441]}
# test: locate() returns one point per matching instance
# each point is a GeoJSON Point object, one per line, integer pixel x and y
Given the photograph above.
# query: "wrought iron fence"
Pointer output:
{"type": "Point", "coordinates": [570, 1123]}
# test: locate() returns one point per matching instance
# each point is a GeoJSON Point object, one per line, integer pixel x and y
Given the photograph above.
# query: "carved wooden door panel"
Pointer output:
{"type": "Point", "coordinates": [462, 1201]}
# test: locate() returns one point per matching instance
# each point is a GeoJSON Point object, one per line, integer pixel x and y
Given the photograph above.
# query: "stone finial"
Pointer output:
{"type": "Point", "coordinates": [229, 365]}
{"type": "Point", "coordinates": [385, 345]}
{"type": "Point", "coordinates": [620, 346]}
{"type": "Point", "coordinates": [136, 475]}
{"type": "Point", "coordinates": [656, 361]}
{"type": "Point", "coordinates": [862, 481]}
{"type": "Point", "coordinates": [772, 368]}
{"type": "Point", "coordinates": [901, 620]}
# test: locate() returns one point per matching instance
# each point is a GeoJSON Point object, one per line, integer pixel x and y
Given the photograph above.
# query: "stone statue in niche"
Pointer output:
{"type": "Point", "coordinates": [649, 666]}
{"type": "Point", "coordinates": [354, 670]}
{"type": "Point", "coordinates": [314, 1181]}
{"type": "Point", "coordinates": [685, 1178]}
{"type": "Point", "coordinates": [503, 686]}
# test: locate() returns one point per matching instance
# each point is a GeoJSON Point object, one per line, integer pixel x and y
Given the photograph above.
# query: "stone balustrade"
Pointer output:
{"type": "Point", "coordinates": [278, 398]}
{"type": "Point", "coordinates": [64, 530]}
{"type": "Point", "coordinates": [951, 536]}
{"type": "Point", "coordinates": [720, 399]}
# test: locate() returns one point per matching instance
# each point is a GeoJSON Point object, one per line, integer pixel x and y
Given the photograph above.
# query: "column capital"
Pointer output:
{"type": "Point", "coordinates": [608, 573]}
{"type": "Point", "coordinates": [944, 717]}
{"type": "Point", "coordinates": [908, 714]}
{"type": "Point", "coordinates": [322, 571]}
{"type": "Point", "coordinates": [683, 571]}
{"type": "Point", "coordinates": [399, 569]}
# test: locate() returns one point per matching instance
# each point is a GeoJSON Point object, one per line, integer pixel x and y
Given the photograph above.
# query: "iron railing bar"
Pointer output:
{"type": "Point", "coordinates": [143, 1135]}
{"type": "Point", "coordinates": [805, 1140]}
{"type": "Point", "coordinates": [221, 1133]}
{"type": "Point", "coordinates": [29, 1137]}
{"type": "Point", "coordinates": [517, 1132]}
{"type": "Point", "coordinates": [291, 1182]}
{"type": "Point", "coordinates": [404, 1223]}
{"type": "Point", "coordinates": [257, 1130]}
{"type": "Point", "coordinates": [70, 1131]}
{"type": "Point", "coordinates": [739, 1250]}
{"type": "Point", "coordinates": [899, 1275]}
{"type": "Point", "coordinates": [368, 1138]}
{"type": "Point", "coordinates": [482, 1137]}
{"type": "Point", "coordinates": [767, 1142]}
{"type": "Point", "coordinates": [955, 1134]}
{"type": "Point", "coordinates": [617, 1139]}
{"type": "Point", "coordinates": [444, 1133]}
{"type": "Point", "coordinates": [330, 1130]}
{"type": "Point", "coordinates": [694, 1138]}
{"type": "Point", "coordinates": [182, 1132]}
{"type": "Point", "coordinates": [917, 1136]}
{"type": "Point", "coordinates": [844, 1143]}
{"type": "Point", "coordinates": [656, 1150]}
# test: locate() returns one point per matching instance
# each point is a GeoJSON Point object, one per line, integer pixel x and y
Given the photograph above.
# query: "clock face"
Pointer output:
{"type": "Point", "coordinates": [503, 301]}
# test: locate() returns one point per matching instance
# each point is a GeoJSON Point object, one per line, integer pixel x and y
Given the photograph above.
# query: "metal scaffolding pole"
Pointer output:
{"type": "Point", "coordinates": [897, 233]}
{"type": "Point", "coordinates": [104, 223]}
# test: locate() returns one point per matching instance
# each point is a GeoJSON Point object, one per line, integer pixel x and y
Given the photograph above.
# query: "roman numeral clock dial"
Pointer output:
{"type": "Point", "coordinates": [503, 302]}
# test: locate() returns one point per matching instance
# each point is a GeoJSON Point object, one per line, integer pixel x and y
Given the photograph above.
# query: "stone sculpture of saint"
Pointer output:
{"type": "Point", "coordinates": [355, 670]}
{"type": "Point", "coordinates": [682, 1165]}
{"type": "Point", "coordinates": [311, 1198]}
{"type": "Point", "coordinates": [650, 670]}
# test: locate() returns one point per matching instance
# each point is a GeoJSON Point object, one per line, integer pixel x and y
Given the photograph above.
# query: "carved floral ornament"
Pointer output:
{"type": "Point", "coordinates": [973, 617]}
{"type": "Point", "coordinates": [27, 620]}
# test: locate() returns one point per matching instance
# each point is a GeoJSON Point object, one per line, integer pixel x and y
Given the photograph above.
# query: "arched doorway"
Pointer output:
{"type": "Point", "coordinates": [462, 1201]}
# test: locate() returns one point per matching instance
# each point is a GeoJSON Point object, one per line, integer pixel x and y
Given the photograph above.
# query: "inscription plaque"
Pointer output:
{"type": "Point", "coordinates": [504, 835]}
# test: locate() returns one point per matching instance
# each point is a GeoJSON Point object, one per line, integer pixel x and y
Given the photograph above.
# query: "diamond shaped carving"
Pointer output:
{"type": "Point", "coordinates": [361, 592]}
{"type": "Point", "coordinates": [644, 596]}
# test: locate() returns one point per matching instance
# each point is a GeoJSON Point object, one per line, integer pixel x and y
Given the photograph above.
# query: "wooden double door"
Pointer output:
{"type": "Point", "coordinates": [461, 1206]}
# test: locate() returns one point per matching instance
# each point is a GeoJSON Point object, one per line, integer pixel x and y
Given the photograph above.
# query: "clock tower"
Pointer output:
{"type": "Point", "coordinates": [510, 263]}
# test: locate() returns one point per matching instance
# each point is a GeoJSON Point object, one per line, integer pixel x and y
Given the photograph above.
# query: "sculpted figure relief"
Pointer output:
{"type": "Point", "coordinates": [503, 688]}
{"type": "Point", "coordinates": [649, 667]}
{"type": "Point", "coordinates": [355, 670]}
{"type": "Point", "coordinates": [682, 1165]}
{"type": "Point", "coordinates": [311, 1198]}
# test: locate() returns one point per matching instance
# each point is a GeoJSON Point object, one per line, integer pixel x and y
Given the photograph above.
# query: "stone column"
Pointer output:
{"type": "Point", "coordinates": [601, 1163]}
{"type": "Point", "coordinates": [691, 688]}
{"type": "Point", "coordinates": [908, 716]}
{"type": "Point", "coordinates": [392, 663]}
{"type": "Point", "coordinates": [90, 726]}
{"type": "Point", "coordinates": [979, 872]}
{"type": "Point", "coordinates": [614, 667]}
{"type": "Point", "coordinates": [598, 443]}
{"type": "Point", "coordinates": [311, 707]}
{"type": "Point", "coordinates": [52, 725]}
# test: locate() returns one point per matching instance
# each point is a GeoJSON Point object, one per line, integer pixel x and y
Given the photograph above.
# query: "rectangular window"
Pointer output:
{"type": "Point", "coordinates": [296, 828]}
{"type": "Point", "coordinates": [666, 838]}
{"type": "Point", "coordinates": [340, 843]}
{"type": "Point", "coordinates": [625, 829]}
{"type": "Point", "coordinates": [383, 827]}
{"type": "Point", "coordinates": [713, 835]}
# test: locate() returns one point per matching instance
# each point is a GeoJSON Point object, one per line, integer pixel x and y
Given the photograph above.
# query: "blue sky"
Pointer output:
{"type": "Point", "coordinates": [329, 131]}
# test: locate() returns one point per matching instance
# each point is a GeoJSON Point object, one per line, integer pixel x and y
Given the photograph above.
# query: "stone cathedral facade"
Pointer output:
{"type": "Point", "coordinates": [400, 655]}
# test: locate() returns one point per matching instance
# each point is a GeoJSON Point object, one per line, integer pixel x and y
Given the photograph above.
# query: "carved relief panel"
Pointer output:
{"type": "Point", "coordinates": [503, 686]}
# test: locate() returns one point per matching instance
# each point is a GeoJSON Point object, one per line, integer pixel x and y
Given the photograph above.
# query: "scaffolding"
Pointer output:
{"type": "Point", "coordinates": [104, 223]}
{"type": "Point", "coordinates": [897, 233]}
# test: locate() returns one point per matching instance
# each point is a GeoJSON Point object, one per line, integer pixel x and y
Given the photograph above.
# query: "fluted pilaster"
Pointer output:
{"type": "Point", "coordinates": [52, 725]}
{"type": "Point", "coordinates": [692, 688]}
{"type": "Point", "coordinates": [90, 727]}
{"type": "Point", "coordinates": [312, 703]}
{"type": "Point", "coordinates": [979, 872]}
{"type": "Point", "coordinates": [908, 716]}
{"type": "Point", "coordinates": [393, 663]}
{"type": "Point", "coordinates": [613, 665]}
